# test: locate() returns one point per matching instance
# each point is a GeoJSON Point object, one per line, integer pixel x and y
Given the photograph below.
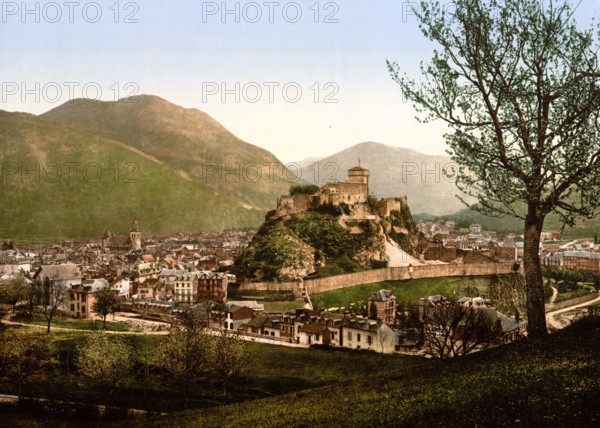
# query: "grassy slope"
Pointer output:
{"type": "Point", "coordinates": [272, 370]}
{"type": "Point", "coordinates": [186, 140]}
{"type": "Point", "coordinates": [409, 291]}
{"type": "Point", "coordinates": [161, 199]}
{"type": "Point", "coordinates": [549, 382]}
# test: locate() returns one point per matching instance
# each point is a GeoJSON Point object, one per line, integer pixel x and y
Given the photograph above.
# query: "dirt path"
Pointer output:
{"type": "Point", "coordinates": [398, 257]}
{"type": "Point", "coordinates": [7, 322]}
{"type": "Point", "coordinates": [162, 333]}
{"type": "Point", "coordinates": [554, 294]}
{"type": "Point", "coordinates": [552, 322]}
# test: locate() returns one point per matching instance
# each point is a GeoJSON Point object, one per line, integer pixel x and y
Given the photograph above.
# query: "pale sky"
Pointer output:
{"type": "Point", "coordinates": [190, 51]}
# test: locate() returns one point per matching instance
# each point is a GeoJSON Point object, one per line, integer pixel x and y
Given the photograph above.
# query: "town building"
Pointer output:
{"type": "Point", "coordinates": [82, 297]}
{"type": "Point", "coordinates": [367, 334]}
{"type": "Point", "coordinates": [385, 306]}
{"type": "Point", "coordinates": [212, 286]}
{"type": "Point", "coordinates": [185, 286]}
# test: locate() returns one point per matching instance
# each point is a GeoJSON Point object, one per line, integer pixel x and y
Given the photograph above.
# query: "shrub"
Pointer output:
{"type": "Point", "coordinates": [307, 189]}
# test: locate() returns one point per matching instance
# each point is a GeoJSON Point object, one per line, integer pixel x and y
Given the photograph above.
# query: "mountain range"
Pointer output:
{"type": "Point", "coordinates": [85, 167]}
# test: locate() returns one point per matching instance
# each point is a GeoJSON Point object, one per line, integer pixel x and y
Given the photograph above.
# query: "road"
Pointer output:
{"type": "Point", "coordinates": [555, 323]}
{"type": "Point", "coordinates": [162, 333]}
{"type": "Point", "coordinates": [554, 294]}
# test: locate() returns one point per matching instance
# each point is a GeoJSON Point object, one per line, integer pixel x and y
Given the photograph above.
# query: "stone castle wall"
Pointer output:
{"type": "Point", "coordinates": [320, 285]}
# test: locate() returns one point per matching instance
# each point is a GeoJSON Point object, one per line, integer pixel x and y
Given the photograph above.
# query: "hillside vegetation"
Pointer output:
{"type": "Point", "coordinates": [84, 167]}
{"type": "Point", "coordinates": [59, 197]}
{"type": "Point", "coordinates": [506, 292]}
{"type": "Point", "coordinates": [289, 249]}
{"type": "Point", "coordinates": [319, 243]}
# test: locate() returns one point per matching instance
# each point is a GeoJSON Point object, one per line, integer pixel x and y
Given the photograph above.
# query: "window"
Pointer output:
{"type": "Point", "coordinates": [83, 309]}
{"type": "Point", "coordinates": [369, 340]}
{"type": "Point", "coordinates": [72, 308]}
{"type": "Point", "coordinates": [349, 335]}
{"type": "Point", "coordinates": [358, 337]}
{"type": "Point", "coordinates": [83, 297]}
{"type": "Point", "coordinates": [72, 296]}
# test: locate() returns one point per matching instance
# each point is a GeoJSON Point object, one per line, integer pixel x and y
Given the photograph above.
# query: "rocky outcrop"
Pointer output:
{"type": "Point", "coordinates": [329, 240]}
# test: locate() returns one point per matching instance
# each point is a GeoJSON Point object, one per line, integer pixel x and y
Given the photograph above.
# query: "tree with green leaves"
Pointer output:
{"type": "Point", "coordinates": [516, 81]}
{"type": "Point", "coordinates": [372, 311]}
{"type": "Point", "coordinates": [228, 357]}
{"type": "Point", "coordinates": [22, 356]}
{"type": "Point", "coordinates": [105, 361]}
{"type": "Point", "coordinates": [183, 355]}
{"type": "Point", "coordinates": [106, 302]}
{"type": "Point", "coordinates": [13, 290]}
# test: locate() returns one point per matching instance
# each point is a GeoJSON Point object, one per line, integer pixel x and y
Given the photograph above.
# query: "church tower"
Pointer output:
{"type": "Point", "coordinates": [135, 236]}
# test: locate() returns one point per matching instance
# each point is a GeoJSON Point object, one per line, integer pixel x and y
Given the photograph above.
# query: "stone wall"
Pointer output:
{"type": "Point", "coordinates": [571, 302]}
{"type": "Point", "coordinates": [270, 286]}
{"type": "Point", "coordinates": [320, 285]}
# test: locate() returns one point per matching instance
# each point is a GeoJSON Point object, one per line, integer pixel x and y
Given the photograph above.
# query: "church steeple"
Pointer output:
{"type": "Point", "coordinates": [135, 236]}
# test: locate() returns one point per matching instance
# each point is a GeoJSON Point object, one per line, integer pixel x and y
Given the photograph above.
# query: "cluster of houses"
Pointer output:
{"type": "Point", "coordinates": [379, 331]}
{"type": "Point", "coordinates": [510, 247]}
{"type": "Point", "coordinates": [181, 269]}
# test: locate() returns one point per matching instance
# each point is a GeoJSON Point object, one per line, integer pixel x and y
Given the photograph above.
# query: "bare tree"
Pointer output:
{"type": "Point", "coordinates": [228, 358]}
{"type": "Point", "coordinates": [54, 296]}
{"type": "Point", "coordinates": [105, 361]}
{"type": "Point", "coordinates": [451, 330]}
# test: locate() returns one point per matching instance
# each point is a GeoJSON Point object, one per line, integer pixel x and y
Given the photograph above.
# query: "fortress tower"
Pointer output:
{"type": "Point", "coordinates": [135, 236]}
{"type": "Point", "coordinates": [359, 174]}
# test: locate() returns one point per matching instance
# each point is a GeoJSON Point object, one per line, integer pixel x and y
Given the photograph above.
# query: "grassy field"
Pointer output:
{"type": "Point", "coordinates": [283, 306]}
{"type": "Point", "coordinates": [553, 381]}
{"type": "Point", "coordinates": [408, 291]}
{"type": "Point", "coordinates": [272, 370]}
{"type": "Point", "coordinates": [549, 382]}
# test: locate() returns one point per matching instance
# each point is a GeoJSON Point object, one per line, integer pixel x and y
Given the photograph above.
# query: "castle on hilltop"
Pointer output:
{"type": "Point", "coordinates": [354, 192]}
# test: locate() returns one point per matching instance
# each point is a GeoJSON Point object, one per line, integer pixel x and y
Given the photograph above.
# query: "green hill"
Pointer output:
{"type": "Point", "coordinates": [549, 382]}
{"type": "Point", "coordinates": [321, 243]}
{"type": "Point", "coordinates": [188, 141]}
{"type": "Point", "coordinates": [84, 167]}
{"type": "Point", "coordinates": [79, 184]}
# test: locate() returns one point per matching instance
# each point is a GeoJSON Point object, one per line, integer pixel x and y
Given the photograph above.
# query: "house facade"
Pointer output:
{"type": "Point", "coordinates": [82, 297]}
{"type": "Point", "coordinates": [384, 303]}
{"type": "Point", "coordinates": [212, 286]}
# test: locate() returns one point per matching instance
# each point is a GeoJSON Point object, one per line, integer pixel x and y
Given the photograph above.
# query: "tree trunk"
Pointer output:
{"type": "Point", "coordinates": [104, 323]}
{"type": "Point", "coordinates": [536, 311]}
{"type": "Point", "coordinates": [49, 322]}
